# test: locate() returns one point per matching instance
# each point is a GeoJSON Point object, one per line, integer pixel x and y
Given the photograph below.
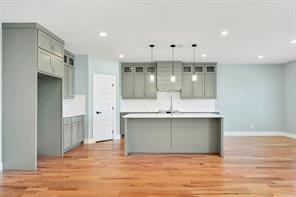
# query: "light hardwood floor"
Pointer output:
{"type": "Point", "coordinates": [252, 166]}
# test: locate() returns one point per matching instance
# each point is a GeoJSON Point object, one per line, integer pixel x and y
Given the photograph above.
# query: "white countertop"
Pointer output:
{"type": "Point", "coordinates": [176, 115]}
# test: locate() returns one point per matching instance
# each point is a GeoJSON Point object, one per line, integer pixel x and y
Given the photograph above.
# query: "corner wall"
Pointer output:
{"type": "Point", "coordinates": [1, 166]}
{"type": "Point", "coordinates": [103, 66]}
{"type": "Point", "coordinates": [290, 96]}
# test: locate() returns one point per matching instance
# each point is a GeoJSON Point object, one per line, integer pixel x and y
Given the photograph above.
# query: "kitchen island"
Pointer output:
{"type": "Point", "coordinates": [174, 133]}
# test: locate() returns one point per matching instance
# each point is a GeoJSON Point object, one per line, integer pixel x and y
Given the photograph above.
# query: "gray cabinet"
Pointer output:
{"type": "Point", "coordinates": [69, 70]}
{"type": "Point", "coordinates": [44, 61]}
{"type": "Point", "coordinates": [50, 54]}
{"type": "Point", "coordinates": [198, 85]}
{"type": "Point", "coordinates": [67, 133]}
{"type": "Point", "coordinates": [127, 86]}
{"type": "Point", "coordinates": [136, 81]}
{"type": "Point", "coordinates": [139, 82]}
{"type": "Point", "coordinates": [210, 81]}
{"type": "Point", "coordinates": [27, 71]}
{"type": "Point", "coordinates": [205, 85]}
{"type": "Point", "coordinates": [73, 132]}
{"type": "Point", "coordinates": [187, 85]}
{"type": "Point", "coordinates": [57, 66]}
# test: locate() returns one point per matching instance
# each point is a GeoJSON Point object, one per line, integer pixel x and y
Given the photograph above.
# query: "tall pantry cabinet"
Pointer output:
{"type": "Point", "coordinates": [33, 71]}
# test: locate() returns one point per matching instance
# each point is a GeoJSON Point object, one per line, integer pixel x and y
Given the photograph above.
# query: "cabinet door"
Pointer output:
{"type": "Point", "coordinates": [210, 85]}
{"type": "Point", "coordinates": [127, 86]}
{"type": "Point", "coordinates": [44, 41]}
{"type": "Point", "coordinates": [198, 86]}
{"type": "Point", "coordinates": [81, 131]}
{"type": "Point", "coordinates": [57, 48]}
{"type": "Point", "coordinates": [67, 136]}
{"type": "Point", "coordinates": [70, 81]}
{"type": "Point", "coordinates": [75, 134]}
{"type": "Point", "coordinates": [66, 79]}
{"type": "Point", "coordinates": [44, 61]}
{"type": "Point", "coordinates": [139, 86]}
{"type": "Point", "coordinates": [150, 87]}
{"type": "Point", "coordinates": [57, 65]}
{"type": "Point", "coordinates": [186, 91]}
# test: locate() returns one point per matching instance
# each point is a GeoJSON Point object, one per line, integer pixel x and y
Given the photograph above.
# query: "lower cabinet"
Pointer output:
{"type": "Point", "coordinates": [73, 132]}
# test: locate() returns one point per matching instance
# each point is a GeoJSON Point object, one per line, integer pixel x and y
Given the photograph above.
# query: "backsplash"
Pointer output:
{"type": "Point", "coordinates": [163, 103]}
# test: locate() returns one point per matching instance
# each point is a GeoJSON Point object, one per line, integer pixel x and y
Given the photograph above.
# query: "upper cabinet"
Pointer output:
{"type": "Point", "coordinates": [69, 59]}
{"type": "Point", "coordinates": [138, 80]}
{"type": "Point", "coordinates": [50, 54]}
{"type": "Point", "coordinates": [164, 72]}
{"type": "Point", "coordinates": [204, 84]}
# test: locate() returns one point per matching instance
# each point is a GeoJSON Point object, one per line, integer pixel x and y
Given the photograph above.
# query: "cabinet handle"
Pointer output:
{"type": "Point", "coordinates": [98, 112]}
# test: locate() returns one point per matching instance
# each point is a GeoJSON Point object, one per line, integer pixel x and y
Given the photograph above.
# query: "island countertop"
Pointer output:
{"type": "Point", "coordinates": [174, 115]}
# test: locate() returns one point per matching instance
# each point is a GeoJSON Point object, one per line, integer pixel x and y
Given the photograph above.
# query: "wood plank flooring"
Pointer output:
{"type": "Point", "coordinates": [252, 166]}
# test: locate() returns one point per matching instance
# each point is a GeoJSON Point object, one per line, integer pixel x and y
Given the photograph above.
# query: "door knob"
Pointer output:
{"type": "Point", "coordinates": [98, 112]}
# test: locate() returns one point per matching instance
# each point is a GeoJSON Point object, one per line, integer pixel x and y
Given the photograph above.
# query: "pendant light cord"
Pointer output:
{"type": "Point", "coordinates": [173, 59]}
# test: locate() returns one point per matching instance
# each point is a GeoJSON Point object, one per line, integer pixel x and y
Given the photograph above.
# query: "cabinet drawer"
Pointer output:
{"type": "Point", "coordinates": [75, 119]}
{"type": "Point", "coordinates": [44, 41]}
{"type": "Point", "coordinates": [81, 118]}
{"type": "Point", "coordinates": [57, 48]}
{"type": "Point", "coordinates": [57, 65]}
{"type": "Point", "coordinates": [44, 61]}
{"type": "Point", "coordinates": [67, 120]}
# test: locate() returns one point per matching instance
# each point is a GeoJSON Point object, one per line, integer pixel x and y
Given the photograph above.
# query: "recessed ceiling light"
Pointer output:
{"type": "Point", "coordinates": [103, 34]}
{"type": "Point", "coordinates": [121, 56]}
{"type": "Point", "coordinates": [224, 33]}
{"type": "Point", "coordinates": [293, 42]}
{"type": "Point", "coordinates": [204, 55]}
{"type": "Point", "coordinates": [260, 56]}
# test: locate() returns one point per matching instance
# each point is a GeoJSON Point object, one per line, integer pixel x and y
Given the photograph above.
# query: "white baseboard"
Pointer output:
{"type": "Point", "coordinates": [253, 133]}
{"type": "Point", "coordinates": [89, 141]}
{"type": "Point", "coordinates": [290, 135]}
{"type": "Point", "coordinates": [260, 133]}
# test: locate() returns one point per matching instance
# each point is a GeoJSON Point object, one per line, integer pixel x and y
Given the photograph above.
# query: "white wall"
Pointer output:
{"type": "Point", "coordinates": [75, 106]}
{"type": "Point", "coordinates": [163, 103]}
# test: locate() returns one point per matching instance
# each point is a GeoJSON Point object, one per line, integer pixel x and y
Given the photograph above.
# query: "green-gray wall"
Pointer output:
{"type": "Point", "coordinates": [290, 96]}
{"type": "Point", "coordinates": [1, 96]}
{"type": "Point", "coordinates": [251, 95]}
{"type": "Point", "coordinates": [86, 66]}
{"type": "Point", "coordinates": [103, 66]}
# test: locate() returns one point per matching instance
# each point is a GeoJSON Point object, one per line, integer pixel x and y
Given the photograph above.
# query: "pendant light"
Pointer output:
{"type": "Point", "coordinates": [173, 77]}
{"type": "Point", "coordinates": [194, 75]}
{"type": "Point", "coordinates": [151, 77]}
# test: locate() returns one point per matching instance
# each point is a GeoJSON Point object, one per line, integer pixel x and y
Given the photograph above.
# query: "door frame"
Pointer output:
{"type": "Point", "coordinates": [114, 102]}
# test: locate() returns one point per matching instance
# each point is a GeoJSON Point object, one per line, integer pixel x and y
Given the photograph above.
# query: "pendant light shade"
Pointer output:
{"type": "Point", "coordinates": [173, 77]}
{"type": "Point", "coordinates": [151, 77]}
{"type": "Point", "coordinates": [194, 75]}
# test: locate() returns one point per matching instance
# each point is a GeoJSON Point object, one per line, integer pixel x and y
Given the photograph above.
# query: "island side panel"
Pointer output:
{"type": "Point", "coordinates": [221, 137]}
{"type": "Point", "coordinates": [126, 144]}
{"type": "Point", "coordinates": [148, 135]}
{"type": "Point", "coordinates": [196, 135]}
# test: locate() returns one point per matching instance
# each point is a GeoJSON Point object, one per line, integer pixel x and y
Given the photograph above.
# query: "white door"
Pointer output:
{"type": "Point", "coordinates": [103, 107]}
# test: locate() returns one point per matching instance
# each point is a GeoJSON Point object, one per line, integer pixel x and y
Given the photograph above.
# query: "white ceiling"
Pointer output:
{"type": "Point", "coordinates": [257, 27]}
